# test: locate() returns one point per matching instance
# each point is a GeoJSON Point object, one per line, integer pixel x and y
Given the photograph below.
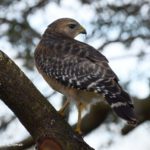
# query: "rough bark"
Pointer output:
{"type": "Point", "coordinates": [42, 121]}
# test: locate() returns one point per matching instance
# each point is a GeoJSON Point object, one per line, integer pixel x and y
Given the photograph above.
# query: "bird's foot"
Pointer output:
{"type": "Point", "coordinates": [62, 110]}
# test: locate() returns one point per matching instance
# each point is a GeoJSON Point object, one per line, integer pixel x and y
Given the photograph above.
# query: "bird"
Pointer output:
{"type": "Point", "coordinates": [79, 71]}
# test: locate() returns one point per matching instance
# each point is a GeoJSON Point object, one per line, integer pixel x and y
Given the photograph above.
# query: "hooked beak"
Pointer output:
{"type": "Point", "coordinates": [82, 30]}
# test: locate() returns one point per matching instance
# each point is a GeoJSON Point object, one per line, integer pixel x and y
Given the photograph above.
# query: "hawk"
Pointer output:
{"type": "Point", "coordinates": [79, 71]}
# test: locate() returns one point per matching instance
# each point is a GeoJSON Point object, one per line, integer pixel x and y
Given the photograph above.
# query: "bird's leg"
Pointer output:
{"type": "Point", "coordinates": [63, 108]}
{"type": "Point", "coordinates": [80, 107]}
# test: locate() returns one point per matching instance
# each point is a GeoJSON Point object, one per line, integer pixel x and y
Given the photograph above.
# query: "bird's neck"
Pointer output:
{"type": "Point", "coordinates": [50, 34]}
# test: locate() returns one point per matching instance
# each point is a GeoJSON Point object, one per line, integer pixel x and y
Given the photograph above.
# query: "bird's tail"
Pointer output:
{"type": "Point", "coordinates": [118, 99]}
{"type": "Point", "coordinates": [123, 106]}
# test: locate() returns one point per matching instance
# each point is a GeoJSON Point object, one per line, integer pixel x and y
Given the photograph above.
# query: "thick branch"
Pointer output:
{"type": "Point", "coordinates": [96, 117]}
{"type": "Point", "coordinates": [41, 120]}
{"type": "Point", "coordinates": [142, 108]}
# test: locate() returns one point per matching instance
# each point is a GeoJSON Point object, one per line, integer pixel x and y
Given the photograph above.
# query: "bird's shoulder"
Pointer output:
{"type": "Point", "coordinates": [74, 63]}
{"type": "Point", "coordinates": [63, 46]}
{"type": "Point", "coordinates": [63, 50]}
{"type": "Point", "coordinates": [90, 52]}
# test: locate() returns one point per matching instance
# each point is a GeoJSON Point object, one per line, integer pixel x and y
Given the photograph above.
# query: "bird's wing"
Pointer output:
{"type": "Point", "coordinates": [82, 67]}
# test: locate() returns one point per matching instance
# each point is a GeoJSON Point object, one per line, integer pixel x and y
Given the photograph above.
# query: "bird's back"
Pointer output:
{"type": "Point", "coordinates": [72, 67]}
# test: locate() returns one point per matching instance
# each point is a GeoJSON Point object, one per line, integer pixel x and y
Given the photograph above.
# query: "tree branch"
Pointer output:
{"type": "Point", "coordinates": [42, 121]}
{"type": "Point", "coordinates": [37, 6]}
{"type": "Point", "coordinates": [129, 39]}
{"type": "Point", "coordinates": [22, 145]}
{"type": "Point", "coordinates": [4, 123]}
{"type": "Point", "coordinates": [142, 108]}
{"type": "Point", "coordinates": [24, 25]}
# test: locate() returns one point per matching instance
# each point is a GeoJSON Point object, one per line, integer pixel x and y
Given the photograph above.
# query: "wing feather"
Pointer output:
{"type": "Point", "coordinates": [77, 65]}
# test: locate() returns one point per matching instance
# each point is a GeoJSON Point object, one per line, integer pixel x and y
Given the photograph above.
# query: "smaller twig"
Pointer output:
{"type": "Point", "coordinates": [130, 39]}
{"type": "Point", "coordinates": [127, 56]}
{"type": "Point", "coordinates": [5, 123]}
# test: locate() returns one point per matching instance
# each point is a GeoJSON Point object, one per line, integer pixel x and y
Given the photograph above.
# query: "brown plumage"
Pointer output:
{"type": "Point", "coordinates": [79, 71]}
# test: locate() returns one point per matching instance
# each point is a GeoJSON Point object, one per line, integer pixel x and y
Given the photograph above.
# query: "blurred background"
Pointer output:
{"type": "Point", "coordinates": [120, 29]}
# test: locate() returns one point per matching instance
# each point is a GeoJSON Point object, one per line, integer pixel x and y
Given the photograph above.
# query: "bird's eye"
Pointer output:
{"type": "Point", "coordinates": [72, 26]}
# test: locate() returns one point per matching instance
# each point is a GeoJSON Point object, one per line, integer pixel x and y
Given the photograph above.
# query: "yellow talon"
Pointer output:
{"type": "Point", "coordinates": [62, 110]}
{"type": "Point", "coordinates": [80, 107]}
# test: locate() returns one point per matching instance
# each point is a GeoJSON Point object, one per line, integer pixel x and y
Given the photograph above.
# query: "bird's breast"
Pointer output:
{"type": "Point", "coordinates": [86, 97]}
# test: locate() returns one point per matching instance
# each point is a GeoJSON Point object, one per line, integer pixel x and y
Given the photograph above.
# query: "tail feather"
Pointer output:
{"type": "Point", "coordinates": [126, 112]}
{"type": "Point", "coordinates": [118, 99]}
{"type": "Point", "coordinates": [122, 106]}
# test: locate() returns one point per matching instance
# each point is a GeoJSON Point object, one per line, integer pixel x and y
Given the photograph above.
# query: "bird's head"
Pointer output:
{"type": "Point", "coordinates": [67, 27]}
